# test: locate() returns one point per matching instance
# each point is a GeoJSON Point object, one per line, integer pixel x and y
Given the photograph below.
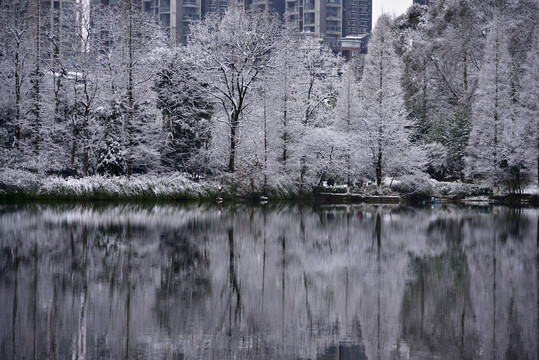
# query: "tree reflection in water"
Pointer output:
{"type": "Point", "coordinates": [274, 282]}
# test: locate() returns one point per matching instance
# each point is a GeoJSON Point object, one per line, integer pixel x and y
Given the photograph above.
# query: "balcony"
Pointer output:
{"type": "Point", "coordinates": [333, 29]}
{"type": "Point", "coordinates": [191, 17]}
{"type": "Point", "coordinates": [333, 2]}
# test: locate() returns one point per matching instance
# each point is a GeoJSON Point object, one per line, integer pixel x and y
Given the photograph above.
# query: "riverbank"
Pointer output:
{"type": "Point", "coordinates": [24, 185]}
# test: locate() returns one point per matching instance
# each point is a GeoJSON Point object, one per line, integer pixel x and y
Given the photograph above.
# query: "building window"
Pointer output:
{"type": "Point", "coordinates": [164, 6]}
{"type": "Point", "coordinates": [309, 18]}
{"type": "Point", "coordinates": [164, 20]}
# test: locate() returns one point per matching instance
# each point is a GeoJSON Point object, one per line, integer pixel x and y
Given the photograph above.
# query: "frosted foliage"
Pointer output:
{"type": "Point", "coordinates": [383, 128]}
{"type": "Point", "coordinates": [528, 111]}
{"type": "Point", "coordinates": [448, 89]}
{"type": "Point", "coordinates": [231, 53]}
{"type": "Point", "coordinates": [493, 140]}
{"type": "Point", "coordinates": [347, 125]}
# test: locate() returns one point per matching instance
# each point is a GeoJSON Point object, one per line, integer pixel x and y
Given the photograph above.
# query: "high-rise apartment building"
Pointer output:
{"type": "Point", "coordinates": [331, 20]}
{"type": "Point", "coordinates": [357, 17]}
{"type": "Point", "coordinates": [214, 6]}
{"type": "Point", "coordinates": [273, 5]}
{"type": "Point", "coordinates": [62, 23]}
{"type": "Point", "coordinates": [174, 16]}
{"type": "Point", "coordinates": [323, 18]}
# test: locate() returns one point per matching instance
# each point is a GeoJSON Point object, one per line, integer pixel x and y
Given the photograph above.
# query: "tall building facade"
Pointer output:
{"type": "Point", "coordinates": [357, 17]}
{"type": "Point", "coordinates": [273, 5]}
{"type": "Point", "coordinates": [331, 20]}
{"type": "Point", "coordinates": [322, 18]}
{"type": "Point", "coordinates": [61, 23]}
{"type": "Point", "coordinates": [174, 16]}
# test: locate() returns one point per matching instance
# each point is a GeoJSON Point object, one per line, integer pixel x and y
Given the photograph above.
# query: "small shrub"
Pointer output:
{"type": "Point", "coordinates": [415, 186]}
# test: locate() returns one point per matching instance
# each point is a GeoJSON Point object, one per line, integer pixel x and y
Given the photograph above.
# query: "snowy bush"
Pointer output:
{"type": "Point", "coordinates": [173, 186]}
{"type": "Point", "coordinates": [461, 190]}
{"type": "Point", "coordinates": [415, 186]}
{"type": "Point", "coordinates": [16, 181]}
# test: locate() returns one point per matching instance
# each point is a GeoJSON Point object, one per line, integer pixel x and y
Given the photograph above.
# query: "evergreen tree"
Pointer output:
{"type": "Point", "coordinates": [316, 142]}
{"type": "Point", "coordinates": [347, 124]}
{"type": "Point", "coordinates": [528, 112]}
{"type": "Point", "coordinates": [384, 127]}
{"type": "Point", "coordinates": [492, 139]}
{"type": "Point", "coordinates": [111, 151]}
{"type": "Point", "coordinates": [186, 111]}
{"type": "Point", "coordinates": [457, 143]}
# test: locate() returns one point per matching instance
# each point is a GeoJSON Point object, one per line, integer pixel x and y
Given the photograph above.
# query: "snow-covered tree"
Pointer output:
{"type": "Point", "coordinates": [14, 63]}
{"type": "Point", "coordinates": [384, 125]}
{"type": "Point", "coordinates": [231, 51]}
{"type": "Point", "coordinates": [284, 88]}
{"type": "Point", "coordinates": [528, 112]}
{"type": "Point", "coordinates": [457, 141]}
{"type": "Point", "coordinates": [186, 111]}
{"type": "Point", "coordinates": [347, 123]}
{"type": "Point", "coordinates": [126, 38]}
{"type": "Point", "coordinates": [278, 113]}
{"type": "Point", "coordinates": [111, 153]}
{"type": "Point", "coordinates": [492, 140]}
{"type": "Point", "coordinates": [316, 144]}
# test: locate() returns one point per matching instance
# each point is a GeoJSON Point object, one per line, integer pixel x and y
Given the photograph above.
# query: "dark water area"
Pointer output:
{"type": "Point", "coordinates": [275, 282]}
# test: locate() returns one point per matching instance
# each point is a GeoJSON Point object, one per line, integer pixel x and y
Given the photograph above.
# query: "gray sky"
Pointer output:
{"type": "Point", "coordinates": [392, 7]}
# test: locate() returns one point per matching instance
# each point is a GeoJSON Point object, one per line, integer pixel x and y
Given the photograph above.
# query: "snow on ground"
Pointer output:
{"type": "Point", "coordinates": [169, 185]}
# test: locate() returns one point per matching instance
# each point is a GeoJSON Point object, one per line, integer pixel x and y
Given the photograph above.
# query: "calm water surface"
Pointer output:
{"type": "Point", "coordinates": [280, 282]}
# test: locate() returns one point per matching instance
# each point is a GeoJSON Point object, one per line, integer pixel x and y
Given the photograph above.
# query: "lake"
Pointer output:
{"type": "Point", "coordinates": [161, 281]}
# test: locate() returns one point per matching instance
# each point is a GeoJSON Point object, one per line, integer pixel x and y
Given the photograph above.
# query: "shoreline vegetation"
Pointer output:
{"type": "Point", "coordinates": [20, 185]}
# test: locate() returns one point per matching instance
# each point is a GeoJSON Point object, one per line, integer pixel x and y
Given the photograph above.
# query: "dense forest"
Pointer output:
{"type": "Point", "coordinates": [449, 92]}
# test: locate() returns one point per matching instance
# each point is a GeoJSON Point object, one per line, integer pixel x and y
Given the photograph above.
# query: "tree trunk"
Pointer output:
{"type": "Point", "coordinates": [130, 96]}
{"type": "Point", "coordinates": [18, 86]}
{"type": "Point", "coordinates": [265, 143]}
{"type": "Point", "coordinates": [73, 149]}
{"type": "Point", "coordinates": [233, 129]}
{"type": "Point", "coordinates": [285, 119]}
{"type": "Point", "coordinates": [379, 163]}
{"type": "Point", "coordinates": [86, 140]}
{"type": "Point", "coordinates": [37, 83]}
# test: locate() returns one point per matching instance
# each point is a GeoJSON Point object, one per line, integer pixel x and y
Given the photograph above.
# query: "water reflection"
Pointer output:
{"type": "Point", "coordinates": [274, 282]}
